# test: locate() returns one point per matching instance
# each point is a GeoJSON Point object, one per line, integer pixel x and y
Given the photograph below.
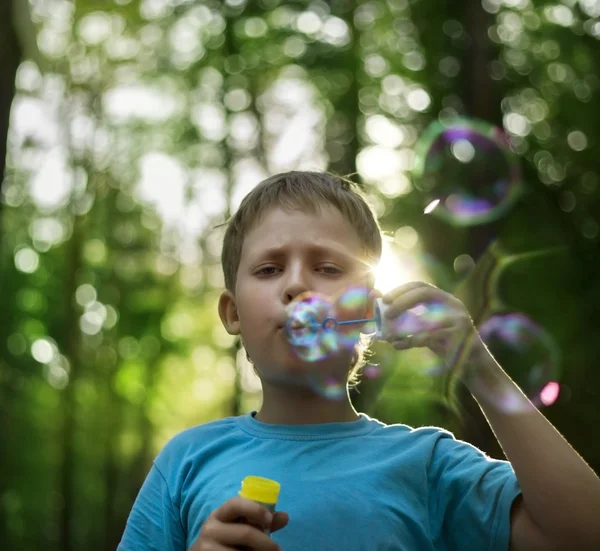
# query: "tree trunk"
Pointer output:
{"type": "Point", "coordinates": [71, 347]}
{"type": "Point", "coordinates": [347, 107]}
{"type": "Point", "coordinates": [229, 49]}
{"type": "Point", "coordinates": [10, 58]}
{"type": "Point", "coordinates": [484, 104]}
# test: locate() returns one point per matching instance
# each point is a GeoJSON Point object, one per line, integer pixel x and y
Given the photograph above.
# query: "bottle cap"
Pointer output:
{"type": "Point", "coordinates": [260, 489]}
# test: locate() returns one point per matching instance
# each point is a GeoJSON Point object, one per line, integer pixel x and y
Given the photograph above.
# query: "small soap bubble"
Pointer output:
{"type": "Point", "coordinates": [421, 318]}
{"type": "Point", "coordinates": [528, 353]}
{"type": "Point", "coordinates": [463, 264]}
{"type": "Point", "coordinates": [302, 329]}
{"type": "Point", "coordinates": [372, 371]}
{"type": "Point", "coordinates": [304, 326]}
{"type": "Point", "coordinates": [433, 318]}
{"type": "Point", "coordinates": [353, 305]}
{"type": "Point", "coordinates": [329, 387]}
{"type": "Point", "coordinates": [467, 171]}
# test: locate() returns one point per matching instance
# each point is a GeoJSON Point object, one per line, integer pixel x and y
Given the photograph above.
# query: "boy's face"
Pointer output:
{"type": "Point", "coordinates": [286, 254]}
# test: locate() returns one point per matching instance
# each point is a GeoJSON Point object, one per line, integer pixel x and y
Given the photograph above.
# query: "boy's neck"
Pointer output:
{"type": "Point", "coordinates": [293, 406]}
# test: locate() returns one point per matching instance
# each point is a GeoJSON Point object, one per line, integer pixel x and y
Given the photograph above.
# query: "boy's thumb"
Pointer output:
{"type": "Point", "coordinates": [280, 520]}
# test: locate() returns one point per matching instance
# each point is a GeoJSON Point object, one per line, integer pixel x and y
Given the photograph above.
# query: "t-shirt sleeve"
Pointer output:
{"type": "Point", "coordinates": [470, 497]}
{"type": "Point", "coordinates": [154, 523]}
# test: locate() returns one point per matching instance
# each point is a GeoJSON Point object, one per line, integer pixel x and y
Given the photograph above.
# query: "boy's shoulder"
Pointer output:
{"type": "Point", "coordinates": [193, 436]}
{"type": "Point", "coordinates": [191, 441]}
{"type": "Point", "coordinates": [432, 443]}
{"type": "Point", "coordinates": [416, 434]}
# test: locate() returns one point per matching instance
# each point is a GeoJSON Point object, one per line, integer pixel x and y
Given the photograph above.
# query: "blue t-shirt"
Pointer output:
{"type": "Point", "coordinates": [358, 486]}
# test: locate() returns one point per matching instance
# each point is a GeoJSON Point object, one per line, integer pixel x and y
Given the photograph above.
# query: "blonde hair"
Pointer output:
{"type": "Point", "coordinates": [305, 191]}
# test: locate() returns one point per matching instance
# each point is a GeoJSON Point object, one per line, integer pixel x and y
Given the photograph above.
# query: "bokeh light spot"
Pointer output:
{"type": "Point", "coordinates": [27, 260]}
{"type": "Point", "coordinates": [43, 351]}
{"type": "Point", "coordinates": [550, 393]}
{"type": "Point", "coordinates": [85, 295]}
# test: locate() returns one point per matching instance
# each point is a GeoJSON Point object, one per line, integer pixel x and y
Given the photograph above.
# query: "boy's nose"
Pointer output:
{"type": "Point", "coordinates": [292, 290]}
{"type": "Point", "coordinates": [295, 284]}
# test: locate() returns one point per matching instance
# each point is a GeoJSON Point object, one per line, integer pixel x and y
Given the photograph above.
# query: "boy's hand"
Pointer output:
{"type": "Point", "coordinates": [222, 530]}
{"type": "Point", "coordinates": [437, 320]}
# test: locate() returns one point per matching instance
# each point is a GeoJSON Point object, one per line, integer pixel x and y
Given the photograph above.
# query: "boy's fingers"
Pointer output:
{"type": "Point", "coordinates": [375, 293]}
{"type": "Point", "coordinates": [237, 507]}
{"type": "Point", "coordinates": [234, 535]}
{"type": "Point", "coordinates": [279, 521]}
{"type": "Point", "coordinates": [421, 294]}
{"type": "Point", "coordinates": [403, 289]}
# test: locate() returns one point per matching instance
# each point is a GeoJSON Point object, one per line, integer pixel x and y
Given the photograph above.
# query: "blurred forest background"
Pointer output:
{"type": "Point", "coordinates": [129, 129]}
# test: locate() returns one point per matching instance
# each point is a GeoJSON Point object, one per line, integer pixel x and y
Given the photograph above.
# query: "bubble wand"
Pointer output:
{"type": "Point", "coordinates": [331, 324]}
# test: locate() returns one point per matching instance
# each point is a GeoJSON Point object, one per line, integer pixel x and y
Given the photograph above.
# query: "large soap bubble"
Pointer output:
{"type": "Point", "coordinates": [528, 353]}
{"type": "Point", "coordinates": [307, 329]}
{"type": "Point", "coordinates": [467, 171]}
{"type": "Point", "coordinates": [319, 327]}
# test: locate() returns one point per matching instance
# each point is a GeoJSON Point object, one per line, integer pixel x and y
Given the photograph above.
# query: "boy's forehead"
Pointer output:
{"type": "Point", "coordinates": [279, 228]}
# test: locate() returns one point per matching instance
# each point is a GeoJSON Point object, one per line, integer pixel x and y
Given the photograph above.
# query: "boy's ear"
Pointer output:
{"type": "Point", "coordinates": [228, 313]}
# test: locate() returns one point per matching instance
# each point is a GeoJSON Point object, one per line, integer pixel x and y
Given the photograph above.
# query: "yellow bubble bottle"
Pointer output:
{"type": "Point", "coordinates": [263, 491]}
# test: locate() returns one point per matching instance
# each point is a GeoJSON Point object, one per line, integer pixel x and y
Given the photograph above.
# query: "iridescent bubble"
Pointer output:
{"type": "Point", "coordinates": [352, 305]}
{"type": "Point", "coordinates": [433, 318]}
{"type": "Point", "coordinates": [467, 171]}
{"type": "Point", "coordinates": [372, 371]}
{"type": "Point", "coordinates": [304, 327]}
{"type": "Point", "coordinates": [421, 318]}
{"type": "Point", "coordinates": [529, 355]}
{"type": "Point", "coordinates": [318, 327]}
{"type": "Point", "coordinates": [329, 386]}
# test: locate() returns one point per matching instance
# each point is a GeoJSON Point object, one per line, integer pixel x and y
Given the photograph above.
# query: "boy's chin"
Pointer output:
{"type": "Point", "coordinates": [311, 382]}
{"type": "Point", "coordinates": [297, 369]}
{"type": "Point", "coordinates": [337, 361]}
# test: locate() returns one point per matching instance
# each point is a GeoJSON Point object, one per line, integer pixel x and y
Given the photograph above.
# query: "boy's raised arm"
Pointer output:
{"type": "Point", "coordinates": [560, 507]}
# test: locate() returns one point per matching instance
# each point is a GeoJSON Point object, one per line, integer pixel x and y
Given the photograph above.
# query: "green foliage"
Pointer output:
{"type": "Point", "coordinates": [140, 128]}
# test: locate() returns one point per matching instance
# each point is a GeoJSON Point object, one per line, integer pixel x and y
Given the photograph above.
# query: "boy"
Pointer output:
{"type": "Point", "coordinates": [349, 482]}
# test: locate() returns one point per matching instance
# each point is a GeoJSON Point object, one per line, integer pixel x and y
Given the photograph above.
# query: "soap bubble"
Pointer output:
{"type": "Point", "coordinates": [329, 386]}
{"type": "Point", "coordinates": [372, 371]}
{"type": "Point", "coordinates": [352, 305]}
{"type": "Point", "coordinates": [467, 172]}
{"type": "Point", "coordinates": [434, 318]}
{"type": "Point", "coordinates": [318, 328]}
{"type": "Point", "coordinates": [528, 353]}
{"type": "Point", "coordinates": [421, 318]}
{"type": "Point", "coordinates": [304, 327]}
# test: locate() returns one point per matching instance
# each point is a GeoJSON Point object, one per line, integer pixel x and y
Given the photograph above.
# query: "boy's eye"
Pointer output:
{"type": "Point", "coordinates": [331, 270]}
{"type": "Point", "coordinates": [267, 270]}
{"type": "Point", "coordinates": [270, 270]}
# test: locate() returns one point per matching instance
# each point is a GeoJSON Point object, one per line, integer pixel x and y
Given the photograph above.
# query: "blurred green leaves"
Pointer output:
{"type": "Point", "coordinates": [139, 125]}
